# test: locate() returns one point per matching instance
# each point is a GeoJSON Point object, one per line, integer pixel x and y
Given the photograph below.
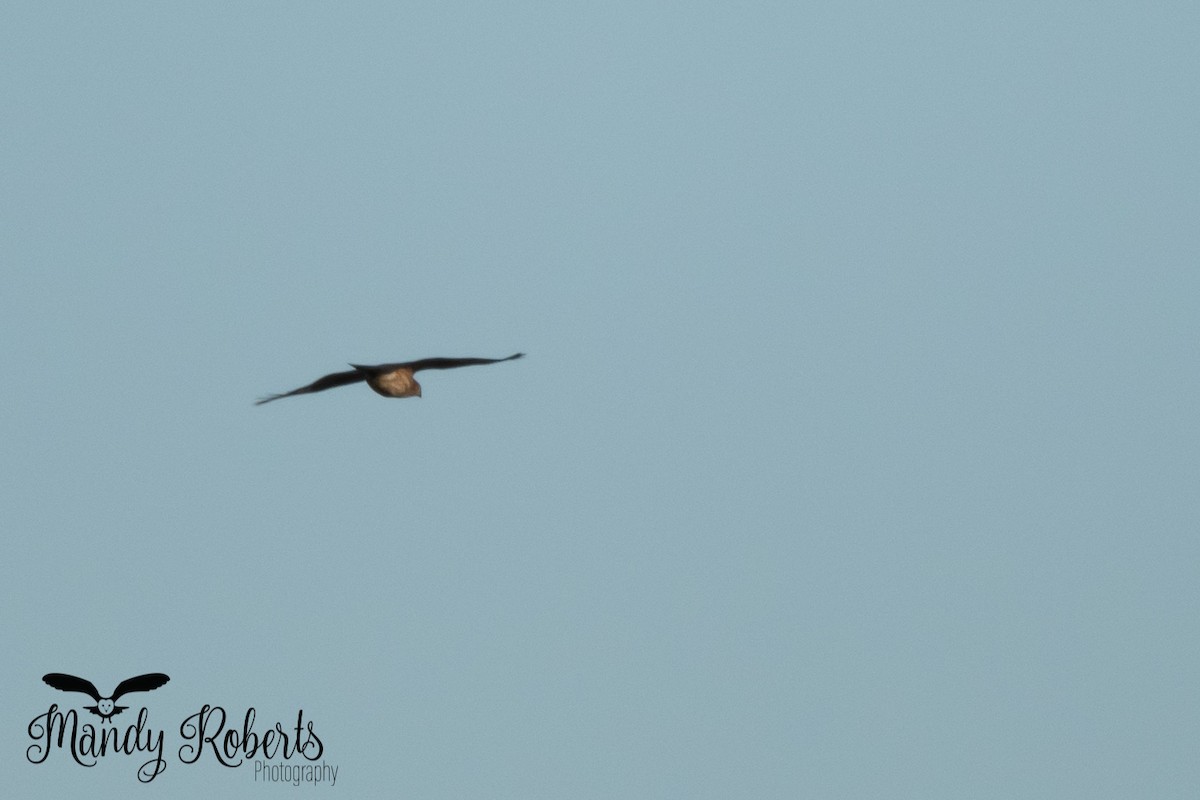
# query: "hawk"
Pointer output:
{"type": "Point", "coordinates": [389, 380]}
{"type": "Point", "coordinates": [106, 707]}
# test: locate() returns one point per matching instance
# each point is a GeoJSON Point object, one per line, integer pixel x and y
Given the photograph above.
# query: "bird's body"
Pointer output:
{"type": "Point", "coordinates": [398, 382]}
{"type": "Point", "coordinates": [389, 380]}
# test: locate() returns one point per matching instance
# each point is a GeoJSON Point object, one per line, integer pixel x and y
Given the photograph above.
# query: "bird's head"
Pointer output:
{"type": "Point", "coordinates": [105, 706]}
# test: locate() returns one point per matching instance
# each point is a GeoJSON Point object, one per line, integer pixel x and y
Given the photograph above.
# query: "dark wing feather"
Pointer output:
{"type": "Point", "coordinates": [69, 683]}
{"type": "Point", "coordinates": [142, 683]}
{"type": "Point", "coordinates": [320, 384]}
{"type": "Point", "coordinates": [450, 363]}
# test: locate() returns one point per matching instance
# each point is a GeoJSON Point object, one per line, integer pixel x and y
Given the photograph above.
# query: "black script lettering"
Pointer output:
{"type": "Point", "coordinates": [232, 747]}
{"type": "Point", "coordinates": [312, 741]}
{"type": "Point", "coordinates": [89, 743]}
{"type": "Point", "coordinates": [44, 725]}
{"type": "Point", "coordinates": [246, 742]}
{"type": "Point", "coordinates": [250, 742]}
{"type": "Point", "coordinates": [268, 743]}
{"type": "Point", "coordinates": [200, 729]}
{"type": "Point", "coordinates": [144, 740]}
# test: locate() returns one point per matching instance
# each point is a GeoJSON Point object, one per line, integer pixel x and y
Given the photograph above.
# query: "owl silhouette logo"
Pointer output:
{"type": "Point", "coordinates": [106, 707]}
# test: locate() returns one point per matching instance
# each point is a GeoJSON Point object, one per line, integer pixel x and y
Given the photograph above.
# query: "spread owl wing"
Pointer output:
{"type": "Point", "coordinates": [319, 385]}
{"type": "Point", "coordinates": [450, 363]}
{"type": "Point", "coordinates": [142, 683]}
{"type": "Point", "coordinates": [69, 683]}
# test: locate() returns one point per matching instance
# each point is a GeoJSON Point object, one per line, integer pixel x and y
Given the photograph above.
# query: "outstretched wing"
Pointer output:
{"type": "Point", "coordinates": [69, 683]}
{"type": "Point", "coordinates": [451, 363]}
{"type": "Point", "coordinates": [319, 385]}
{"type": "Point", "coordinates": [142, 683]}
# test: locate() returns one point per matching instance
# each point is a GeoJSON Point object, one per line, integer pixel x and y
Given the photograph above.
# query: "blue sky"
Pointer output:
{"type": "Point", "coordinates": [855, 452]}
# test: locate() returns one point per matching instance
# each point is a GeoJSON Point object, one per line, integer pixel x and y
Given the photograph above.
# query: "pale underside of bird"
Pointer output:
{"type": "Point", "coordinates": [389, 380]}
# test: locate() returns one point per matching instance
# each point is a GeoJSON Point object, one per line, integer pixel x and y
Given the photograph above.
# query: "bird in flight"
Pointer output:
{"type": "Point", "coordinates": [389, 380]}
{"type": "Point", "coordinates": [106, 707]}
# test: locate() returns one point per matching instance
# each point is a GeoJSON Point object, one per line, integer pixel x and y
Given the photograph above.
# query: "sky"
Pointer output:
{"type": "Point", "coordinates": [854, 454]}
